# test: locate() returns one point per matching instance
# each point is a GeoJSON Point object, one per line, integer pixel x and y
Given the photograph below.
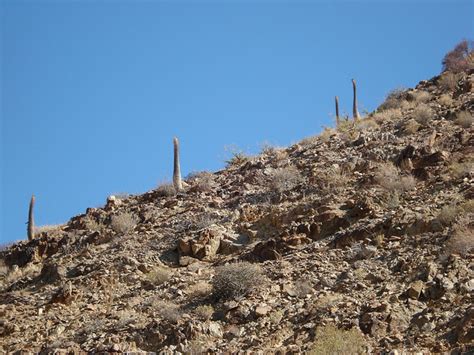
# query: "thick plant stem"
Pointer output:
{"type": "Point", "coordinates": [337, 111]}
{"type": "Point", "coordinates": [31, 223]}
{"type": "Point", "coordinates": [355, 112]}
{"type": "Point", "coordinates": [177, 170]}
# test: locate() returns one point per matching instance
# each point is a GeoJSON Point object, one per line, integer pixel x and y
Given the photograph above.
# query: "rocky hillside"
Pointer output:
{"type": "Point", "coordinates": [361, 236]}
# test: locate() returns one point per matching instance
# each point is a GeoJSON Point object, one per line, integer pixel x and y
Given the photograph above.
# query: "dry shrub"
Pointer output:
{"type": "Point", "coordinates": [303, 288]}
{"type": "Point", "coordinates": [285, 179]}
{"type": "Point", "coordinates": [333, 179]}
{"type": "Point", "coordinates": [237, 156]}
{"type": "Point", "coordinates": [459, 170]}
{"type": "Point", "coordinates": [204, 312]}
{"type": "Point", "coordinates": [421, 96]}
{"type": "Point", "coordinates": [393, 100]}
{"type": "Point", "coordinates": [462, 238]}
{"type": "Point", "coordinates": [165, 189]}
{"type": "Point", "coordinates": [159, 275]}
{"type": "Point", "coordinates": [49, 228]}
{"type": "Point", "coordinates": [200, 289]}
{"type": "Point", "coordinates": [392, 114]}
{"type": "Point", "coordinates": [366, 123]}
{"type": "Point", "coordinates": [448, 214]}
{"type": "Point", "coordinates": [409, 127]}
{"type": "Point", "coordinates": [168, 311]}
{"type": "Point", "coordinates": [445, 100]}
{"type": "Point", "coordinates": [461, 58]}
{"type": "Point", "coordinates": [326, 134]}
{"type": "Point", "coordinates": [123, 223]}
{"type": "Point", "coordinates": [92, 225]}
{"type": "Point", "coordinates": [448, 81]}
{"type": "Point", "coordinates": [202, 181]}
{"type": "Point", "coordinates": [388, 177]}
{"type": "Point", "coordinates": [331, 340]}
{"type": "Point", "coordinates": [309, 141]}
{"type": "Point", "coordinates": [422, 114]}
{"type": "Point", "coordinates": [234, 281]}
{"type": "Point", "coordinates": [464, 119]}
{"type": "Point", "coordinates": [3, 268]}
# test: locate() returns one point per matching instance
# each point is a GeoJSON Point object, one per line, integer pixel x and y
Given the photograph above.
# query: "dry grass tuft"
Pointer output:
{"type": "Point", "coordinates": [392, 114]}
{"type": "Point", "coordinates": [165, 189]}
{"type": "Point", "coordinates": [464, 119]}
{"type": "Point", "coordinates": [204, 312]}
{"type": "Point", "coordinates": [285, 179]}
{"type": "Point", "coordinates": [331, 340]}
{"type": "Point", "coordinates": [159, 275]}
{"type": "Point", "coordinates": [422, 114]}
{"type": "Point", "coordinates": [202, 181]}
{"type": "Point", "coordinates": [235, 281]}
{"type": "Point", "coordinates": [448, 81]}
{"type": "Point", "coordinates": [201, 289]}
{"type": "Point", "coordinates": [168, 311]}
{"type": "Point", "coordinates": [421, 96]}
{"type": "Point", "coordinates": [123, 223]}
{"type": "Point", "coordinates": [445, 100]}
{"type": "Point", "coordinates": [393, 99]}
{"type": "Point", "coordinates": [462, 238]}
{"type": "Point", "coordinates": [388, 177]}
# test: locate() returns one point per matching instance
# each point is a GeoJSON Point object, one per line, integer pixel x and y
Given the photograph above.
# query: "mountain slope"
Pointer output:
{"type": "Point", "coordinates": [365, 227]}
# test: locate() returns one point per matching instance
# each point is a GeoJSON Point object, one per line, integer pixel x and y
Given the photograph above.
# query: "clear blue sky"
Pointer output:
{"type": "Point", "coordinates": [92, 92]}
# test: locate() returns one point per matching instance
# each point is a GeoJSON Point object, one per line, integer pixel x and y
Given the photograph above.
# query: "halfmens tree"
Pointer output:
{"type": "Point", "coordinates": [336, 99]}
{"type": "Point", "coordinates": [355, 112]}
{"type": "Point", "coordinates": [31, 223]}
{"type": "Point", "coordinates": [178, 185]}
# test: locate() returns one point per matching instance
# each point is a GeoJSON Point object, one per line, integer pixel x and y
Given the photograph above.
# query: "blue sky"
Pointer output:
{"type": "Point", "coordinates": [92, 92]}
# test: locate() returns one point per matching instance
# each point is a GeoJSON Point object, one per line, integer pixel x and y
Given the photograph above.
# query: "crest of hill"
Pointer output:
{"type": "Point", "coordinates": [361, 234]}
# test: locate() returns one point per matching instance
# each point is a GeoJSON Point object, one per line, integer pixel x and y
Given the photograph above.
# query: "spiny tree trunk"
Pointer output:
{"type": "Point", "coordinates": [337, 111]}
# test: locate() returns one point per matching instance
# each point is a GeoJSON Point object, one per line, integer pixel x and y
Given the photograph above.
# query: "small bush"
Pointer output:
{"type": "Point", "coordinates": [445, 100]}
{"type": "Point", "coordinates": [460, 58]}
{"type": "Point", "coordinates": [448, 81]}
{"type": "Point", "coordinates": [202, 181]}
{"type": "Point", "coordinates": [234, 281]}
{"type": "Point", "coordinates": [393, 99]}
{"type": "Point", "coordinates": [204, 312]}
{"type": "Point", "coordinates": [459, 170]}
{"type": "Point", "coordinates": [421, 96]}
{"type": "Point", "coordinates": [159, 275]}
{"type": "Point", "coordinates": [391, 114]}
{"type": "Point", "coordinates": [448, 214]}
{"type": "Point", "coordinates": [464, 119]}
{"type": "Point", "coordinates": [285, 179]}
{"type": "Point", "coordinates": [123, 223]}
{"type": "Point", "coordinates": [331, 340]}
{"type": "Point", "coordinates": [388, 177]}
{"type": "Point", "coordinates": [462, 238]}
{"type": "Point", "coordinates": [165, 189]}
{"type": "Point", "coordinates": [237, 156]}
{"type": "Point", "coordinates": [366, 123]}
{"type": "Point", "coordinates": [168, 311]}
{"type": "Point", "coordinates": [200, 289]}
{"type": "Point", "coordinates": [422, 114]}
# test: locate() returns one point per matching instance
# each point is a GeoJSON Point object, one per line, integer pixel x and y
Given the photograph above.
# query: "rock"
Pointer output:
{"type": "Point", "coordinates": [262, 310]}
{"type": "Point", "coordinates": [415, 289]}
{"type": "Point", "coordinates": [214, 329]}
{"type": "Point", "coordinates": [464, 331]}
{"type": "Point", "coordinates": [52, 272]}
{"type": "Point", "coordinates": [468, 286]}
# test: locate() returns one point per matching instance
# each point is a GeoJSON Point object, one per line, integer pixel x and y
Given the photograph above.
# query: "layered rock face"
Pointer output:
{"type": "Point", "coordinates": [366, 228]}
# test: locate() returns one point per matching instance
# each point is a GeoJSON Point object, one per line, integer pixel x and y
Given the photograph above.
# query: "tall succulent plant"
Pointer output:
{"type": "Point", "coordinates": [336, 99]}
{"type": "Point", "coordinates": [31, 223]}
{"type": "Point", "coordinates": [178, 185]}
{"type": "Point", "coordinates": [355, 112]}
